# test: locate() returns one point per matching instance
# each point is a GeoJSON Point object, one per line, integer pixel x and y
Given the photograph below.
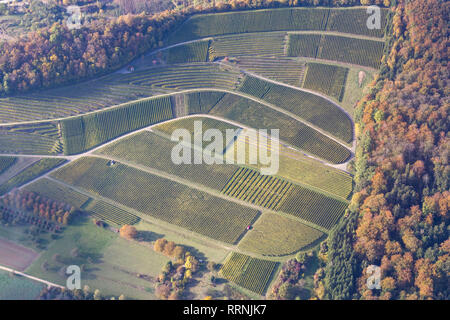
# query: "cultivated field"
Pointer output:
{"type": "Point", "coordinates": [15, 287]}
{"type": "Point", "coordinates": [6, 163]}
{"type": "Point", "coordinates": [327, 79]}
{"type": "Point", "coordinates": [191, 209]}
{"type": "Point", "coordinates": [312, 108]}
{"type": "Point", "coordinates": [104, 211]}
{"type": "Point", "coordinates": [35, 170]}
{"type": "Point", "coordinates": [153, 151]}
{"type": "Point", "coordinates": [250, 273]}
{"type": "Point", "coordinates": [85, 132]}
{"type": "Point", "coordinates": [314, 207]}
{"type": "Point", "coordinates": [15, 256]}
{"type": "Point", "coordinates": [275, 235]}
{"type": "Point", "coordinates": [54, 190]}
{"type": "Point", "coordinates": [255, 115]}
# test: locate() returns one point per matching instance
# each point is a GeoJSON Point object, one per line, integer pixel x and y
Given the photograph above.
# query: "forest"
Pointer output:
{"type": "Point", "coordinates": [398, 218]}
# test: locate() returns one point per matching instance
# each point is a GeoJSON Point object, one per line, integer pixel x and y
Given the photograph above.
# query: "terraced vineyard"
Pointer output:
{"type": "Point", "coordinates": [186, 53]}
{"type": "Point", "coordinates": [6, 163]}
{"type": "Point", "coordinates": [40, 138]}
{"type": "Point", "coordinates": [350, 50]}
{"type": "Point", "coordinates": [250, 273]}
{"type": "Point", "coordinates": [255, 115]}
{"type": "Point", "coordinates": [69, 101]}
{"type": "Point", "coordinates": [249, 185]}
{"type": "Point", "coordinates": [196, 131]}
{"type": "Point", "coordinates": [363, 52]}
{"type": "Point", "coordinates": [313, 207]}
{"type": "Point", "coordinates": [85, 132]}
{"type": "Point", "coordinates": [255, 45]}
{"type": "Point", "coordinates": [303, 45]}
{"type": "Point", "coordinates": [191, 209]}
{"type": "Point", "coordinates": [275, 235]}
{"type": "Point", "coordinates": [280, 69]}
{"type": "Point", "coordinates": [353, 20]}
{"type": "Point", "coordinates": [54, 190]}
{"type": "Point", "coordinates": [202, 102]}
{"type": "Point", "coordinates": [327, 79]}
{"type": "Point", "coordinates": [154, 151]}
{"type": "Point", "coordinates": [106, 212]}
{"type": "Point", "coordinates": [206, 25]}
{"type": "Point", "coordinates": [184, 76]}
{"type": "Point", "coordinates": [307, 106]}
{"type": "Point", "coordinates": [35, 170]}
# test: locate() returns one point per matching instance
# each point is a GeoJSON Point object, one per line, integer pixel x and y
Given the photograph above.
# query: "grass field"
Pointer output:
{"type": "Point", "coordinates": [327, 79]}
{"type": "Point", "coordinates": [275, 235]}
{"type": "Point", "coordinates": [250, 273]}
{"type": "Point", "coordinates": [150, 150]}
{"type": "Point", "coordinates": [191, 209]}
{"type": "Point", "coordinates": [15, 287]}
{"type": "Point", "coordinates": [85, 132]}
{"type": "Point", "coordinates": [258, 116]}
{"type": "Point", "coordinates": [38, 168]}
{"type": "Point", "coordinates": [6, 163]}
{"type": "Point", "coordinates": [312, 108]}
{"type": "Point", "coordinates": [109, 263]}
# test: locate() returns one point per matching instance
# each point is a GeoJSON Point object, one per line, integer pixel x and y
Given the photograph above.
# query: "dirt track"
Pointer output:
{"type": "Point", "coordinates": [15, 256]}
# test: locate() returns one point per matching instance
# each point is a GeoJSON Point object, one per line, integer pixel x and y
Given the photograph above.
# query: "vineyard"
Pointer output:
{"type": "Point", "coordinates": [187, 53]}
{"type": "Point", "coordinates": [106, 212]}
{"type": "Point", "coordinates": [303, 45]}
{"type": "Point", "coordinates": [310, 107]}
{"type": "Point", "coordinates": [69, 101]}
{"type": "Point", "coordinates": [202, 102]}
{"type": "Point", "coordinates": [296, 167]}
{"type": "Point", "coordinates": [6, 163]}
{"type": "Point", "coordinates": [255, 115]}
{"type": "Point", "coordinates": [55, 190]}
{"type": "Point", "coordinates": [85, 132]}
{"type": "Point", "coordinates": [205, 25]}
{"type": "Point", "coordinates": [327, 79]}
{"type": "Point", "coordinates": [280, 69]}
{"type": "Point", "coordinates": [354, 21]}
{"type": "Point", "coordinates": [355, 51]}
{"type": "Point", "coordinates": [41, 138]}
{"type": "Point", "coordinates": [314, 207]}
{"type": "Point", "coordinates": [183, 76]}
{"type": "Point", "coordinates": [35, 170]}
{"type": "Point", "coordinates": [276, 235]}
{"type": "Point", "coordinates": [261, 190]}
{"type": "Point", "coordinates": [151, 150]}
{"type": "Point", "coordinates": [255, 45]}
{"type": "Point", "coordinates": [250, 273]}
{"type": "Point", "coordinates": [188, 208]}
